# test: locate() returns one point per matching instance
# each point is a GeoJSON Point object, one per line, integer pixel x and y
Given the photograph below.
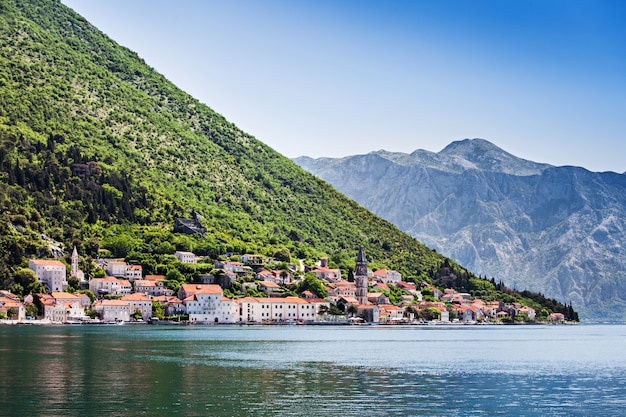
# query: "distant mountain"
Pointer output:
{"type": "Point", "coordinates": [559, 230]}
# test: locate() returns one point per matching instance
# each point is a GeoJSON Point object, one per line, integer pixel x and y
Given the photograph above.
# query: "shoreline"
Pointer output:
{"type": "Point", "coordinates": [280, 324]}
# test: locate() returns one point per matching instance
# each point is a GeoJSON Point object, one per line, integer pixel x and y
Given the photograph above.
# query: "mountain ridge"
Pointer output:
{"type": "Point", "coordinates": [534, 225]}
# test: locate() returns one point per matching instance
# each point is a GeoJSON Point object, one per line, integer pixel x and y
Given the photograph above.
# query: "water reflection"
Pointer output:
{"type": "Point", "coordinates": [231, 371]}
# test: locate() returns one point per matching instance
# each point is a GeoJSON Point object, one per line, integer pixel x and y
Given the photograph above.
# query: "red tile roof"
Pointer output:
{"type": "Point", "coordinates": [201, 289]}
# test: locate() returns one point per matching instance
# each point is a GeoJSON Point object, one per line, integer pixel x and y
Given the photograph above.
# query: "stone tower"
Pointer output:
{"type": "Point", "coordinates": [74, 271]}
{"type": "Point", "coordinates": [360, 277]}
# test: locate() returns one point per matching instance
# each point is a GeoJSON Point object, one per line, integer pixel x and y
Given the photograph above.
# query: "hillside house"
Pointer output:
{"type": "Point", "coordinates": [154, 277]}
{"type": "Point", "coordinates": [276, 276]}
{"type": "Point", "coordinates": [229, 266]}
{"type": "Point", "coordinates": [52, 273]}
{"type": "Point", "coordinates": [529, 311]}
{"type": "Point", "coordinates": [60, 307]}
{"type": "Point", "coordinates": [152, 288]}
{"type": "Point", "coordinates": [133, 272]}
{"type": "Point", "coordinates": [342, 289]}
{"type": "Point", "coordinates": [125, 287]}
{"type": "Point", "coordinates": [556, 318]}
{"type": "Point", "coordinates": [115, 268]}
{"type": "Point", "coordinates": [386, 276]}
{"type": "Point", "coordinates": [251, 259]}
{"type": "Point", "coordinates": [268, 286]}
{"type": "Point", "coordinates": [390, 313]}
{"type": "Point", "coordinates": [107, 285]}
{"type": "Point", "coordinates": [377, 298]}
{"type": "Point", "coordinates": [327, 274]}
{"type": "Point", "coordinates": [186, 257]}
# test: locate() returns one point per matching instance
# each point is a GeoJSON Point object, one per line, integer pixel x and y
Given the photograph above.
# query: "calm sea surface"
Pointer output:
{"type": "Point", "coordinates": [312, 371]}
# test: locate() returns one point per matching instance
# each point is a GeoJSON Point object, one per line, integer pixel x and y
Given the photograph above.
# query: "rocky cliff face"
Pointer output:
{"type": "Point", "coordinates": [558, 230]}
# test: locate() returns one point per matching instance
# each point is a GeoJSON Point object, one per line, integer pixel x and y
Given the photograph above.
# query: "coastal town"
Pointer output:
{"type": "Point", "coordinates": [126, 295]}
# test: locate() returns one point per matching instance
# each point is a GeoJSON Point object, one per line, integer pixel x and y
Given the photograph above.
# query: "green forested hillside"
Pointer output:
{"type": "Point", "coordinates": [147, 152]}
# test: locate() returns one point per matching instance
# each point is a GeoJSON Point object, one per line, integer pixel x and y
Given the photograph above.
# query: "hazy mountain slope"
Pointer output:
{"type": "Point", "coordinates": [555, 229]}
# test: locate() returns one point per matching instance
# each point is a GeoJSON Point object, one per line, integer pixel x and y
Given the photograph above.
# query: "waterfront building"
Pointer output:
{"type": "Point", "coordinates": [139, 301]}
{"type": "Point", "coordinates": [113, 310]}
{"type": "Point", "coordinates": [206, 303]}
{"type": "Point", "coordinates": [274, 309]}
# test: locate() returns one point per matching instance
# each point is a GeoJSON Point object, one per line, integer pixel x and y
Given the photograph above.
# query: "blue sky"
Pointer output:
{"type": "Point", "coordinates": [544, 80]}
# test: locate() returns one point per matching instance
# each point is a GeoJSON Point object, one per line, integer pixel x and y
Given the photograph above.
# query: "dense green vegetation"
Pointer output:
{"type": "Point", "coordinates": [98, 150]}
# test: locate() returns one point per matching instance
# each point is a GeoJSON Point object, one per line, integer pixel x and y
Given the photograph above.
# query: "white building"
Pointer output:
{"type": "Point", "coordinates": [50, 272]}
{"type": "Point", "coordinates": [229, 266]}
{"type": "Point", "coordinates": [115, 268]}
{"type": "Point", "coordinates": [327, 274]}
{"type": "Point", "coordinates": [249, 258]}
{"type": "Point", "coordinates": [113, 310]}
{"type": "Point", "coordinates": [206, 303]}
{"type": "Point", "coordinates": [59, 307]}
{"type": "Point", "coordinates": [107, 285]}
{"type": "Point", "coordinates": [133, 272]}
{"type": "Point", "coordinates": [185, 257]}
{"type": "Point", "coordinates": [9, 301]}
{"type": "Point", "coordinates": [172, 305]}
{"type": "Point", "coordinates": [387, 276]}
{"type": "Point", "coordinates": [153, 288]}
{"type": "Point", "coordinates": [259, 310]}
{"type": "Point", "coordinates": [139, 301]}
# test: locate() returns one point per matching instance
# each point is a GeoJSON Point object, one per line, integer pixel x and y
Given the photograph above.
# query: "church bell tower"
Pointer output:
{"type": "Point", "coordinates": [360, 277]}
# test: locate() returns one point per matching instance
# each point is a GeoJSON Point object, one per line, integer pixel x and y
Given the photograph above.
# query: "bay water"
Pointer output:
{"type": "Point", "coordinates": [577, 370]}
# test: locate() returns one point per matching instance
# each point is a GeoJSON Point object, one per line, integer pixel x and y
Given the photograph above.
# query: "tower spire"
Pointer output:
{"type": "Point", "coordinates": [360, 277]}
{"type": "Point", "coordinates": [74, 271]}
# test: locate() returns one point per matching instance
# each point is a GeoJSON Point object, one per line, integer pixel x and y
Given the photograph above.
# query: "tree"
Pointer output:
{"type": "Point", "coordinates": [92, 314]}
{"type": "Point", "coordinates": [11, 313]}
{"type": "Point", "coordinates": [136, 315]}
{"type": "Point", "coordinates": [31, 310]}
{"type": "Point", "coordinates": [37, 288]}
{"type": "Point", "coordinates": [335, 311]}
{"type": "Point", "coordinates": [120, 245]}
{"type": "Point", "coordinates": [323, 310]}
{"type": "Point", "coordinates": [430, 313]}
{"type": "Point", "coordinates": [157, 310]}
{"type": "Point", "coordinates": [99, 273]}
{"type": "Point", "coordinates": [25, 277]}
{"type": "Point", "coordinates": [174, 275]}
{"type": "Point", "coordinates": [313, 284]}
{"type": "Point", "coordinates": [16, 289]}
{"type": "Point", "coordinates": [72, 284]}
{"type": "Point", "coordinates": [352, 310]}
{"type": "Point", "coordinates": [410, 311]}
{"type": "Point", "coordinates": [90, 294]}
{"type": "Point", "coordinates": [282, 255]}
